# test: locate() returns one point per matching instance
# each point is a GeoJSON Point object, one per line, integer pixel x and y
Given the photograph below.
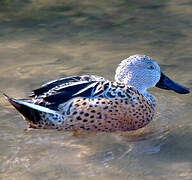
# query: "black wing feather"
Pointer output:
{"type": "Point", "coordinates": [66, 93]}
{"type": "Point", "coordinates": [64, 82]}
{"type": "Point", "coordinates": [48, 86]}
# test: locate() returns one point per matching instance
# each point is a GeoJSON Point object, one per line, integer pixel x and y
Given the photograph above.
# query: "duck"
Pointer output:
{"type": "Point", "coordinates": [93, 103]}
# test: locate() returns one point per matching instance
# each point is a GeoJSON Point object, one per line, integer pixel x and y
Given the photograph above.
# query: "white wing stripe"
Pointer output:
{"type": "Point", "coordinates": [85, 89]}
{"type": "Point", "coordinates": [36, 107]}
{"type": "Point", "coordinates": [68, 85]}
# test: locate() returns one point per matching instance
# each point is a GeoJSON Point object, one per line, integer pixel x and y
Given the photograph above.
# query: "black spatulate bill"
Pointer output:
{"type": "Point", "coordinates": [168, 84]}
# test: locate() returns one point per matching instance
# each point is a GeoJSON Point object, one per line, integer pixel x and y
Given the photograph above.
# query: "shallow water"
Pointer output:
{"type": "Point", "coordinates": [41, 40]}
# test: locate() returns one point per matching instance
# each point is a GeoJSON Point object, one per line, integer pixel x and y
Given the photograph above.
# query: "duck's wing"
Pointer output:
{"type": "Point", "coordinates": [64, 82]}
{"type": "Point", "coordinates": [62, 90]}
{"type": "Point", "coordinates": [52, 84]}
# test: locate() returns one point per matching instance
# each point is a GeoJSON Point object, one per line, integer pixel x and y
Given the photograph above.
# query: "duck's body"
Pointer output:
{"type": "Point", "coordinates": [93, 103]}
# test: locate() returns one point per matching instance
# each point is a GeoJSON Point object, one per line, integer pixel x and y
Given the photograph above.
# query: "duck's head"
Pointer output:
{"type": "Point", "coordinates": [143, 72]}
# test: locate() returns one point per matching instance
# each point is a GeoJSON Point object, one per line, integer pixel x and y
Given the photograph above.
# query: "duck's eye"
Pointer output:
{"type": "Point", "coordinates": [151, 67]}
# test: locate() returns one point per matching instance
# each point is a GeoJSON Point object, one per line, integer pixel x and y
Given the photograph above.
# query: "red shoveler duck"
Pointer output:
{"type": "Point", "coordinates": [93, 103]}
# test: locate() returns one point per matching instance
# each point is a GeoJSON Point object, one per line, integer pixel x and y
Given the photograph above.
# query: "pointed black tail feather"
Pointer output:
{"type": "Point", "coordinates": [31, 115]}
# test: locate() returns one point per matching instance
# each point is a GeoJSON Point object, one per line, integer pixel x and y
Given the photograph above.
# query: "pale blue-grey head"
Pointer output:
{"type": "Point", "coordinates": [143, 73]}
{"type": "Point", "coordinates": [139, 71]}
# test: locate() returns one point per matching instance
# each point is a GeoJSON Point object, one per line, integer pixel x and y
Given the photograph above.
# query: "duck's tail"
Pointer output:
{"type": "Point", "coordinates": [25, 108]}
{"type": "Point", "coordinates": [30, 111]}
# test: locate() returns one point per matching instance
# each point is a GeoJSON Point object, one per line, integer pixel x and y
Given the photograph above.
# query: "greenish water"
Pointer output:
{"type": "Point", "coordinates": [41, 40]}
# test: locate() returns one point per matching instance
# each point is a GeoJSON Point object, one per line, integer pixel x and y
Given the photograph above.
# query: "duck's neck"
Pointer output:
{"type": "Point", "coordinates": [150, 98]}
{"type": "Point", "coordinates": [142, 90]}
{"type": "Point", "coordinates": [147, 95]}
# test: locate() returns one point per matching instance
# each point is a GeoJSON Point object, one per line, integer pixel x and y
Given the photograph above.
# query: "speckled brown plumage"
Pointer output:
{"type": "Point", "coordinates": [117, 107]}
{"type": "Point", "coordinates": [107, 114]}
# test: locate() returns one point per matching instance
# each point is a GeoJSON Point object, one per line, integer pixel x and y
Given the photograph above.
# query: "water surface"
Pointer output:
{"type": "Point", "coordinates": [41, 40]}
